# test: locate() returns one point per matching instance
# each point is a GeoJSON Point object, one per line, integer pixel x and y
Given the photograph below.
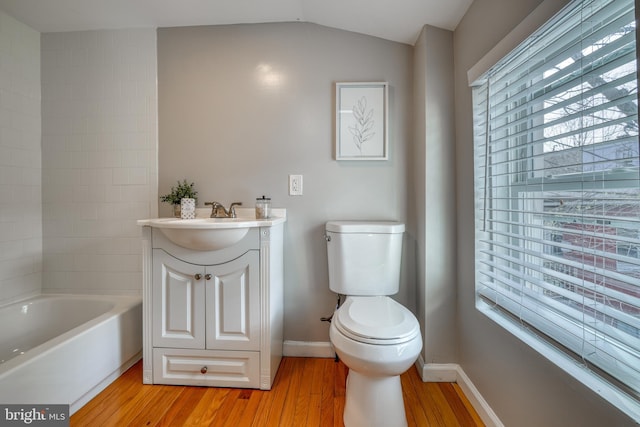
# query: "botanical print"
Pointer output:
{"type": "Point", "coordinates": [361, 121]}
{"type": "Point", "coordinates": [362, 130]}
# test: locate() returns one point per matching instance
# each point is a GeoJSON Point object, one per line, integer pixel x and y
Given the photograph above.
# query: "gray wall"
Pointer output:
{"type": "Point", "coordinates": [243, 106]}
{"type": "Point", "coordinates": [522, 387]}
{"type": "Point", "coordinates": [434, 201]}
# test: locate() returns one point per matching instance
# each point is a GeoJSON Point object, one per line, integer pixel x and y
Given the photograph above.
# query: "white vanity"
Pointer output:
{"type": "Point", "coordinates": [213, 300]}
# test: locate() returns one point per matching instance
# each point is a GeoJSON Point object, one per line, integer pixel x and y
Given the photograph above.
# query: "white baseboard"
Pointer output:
{"type": "Point", "coordinates": [453, 373]}
{"type": "Point", "coordinates": [430, 372]}
{"type": "Point", "coordinates": [437, 372]}
{"type": "Point", "coordinates": [477, 401]}
{"type": "Point", "coordinates": [308, 349]}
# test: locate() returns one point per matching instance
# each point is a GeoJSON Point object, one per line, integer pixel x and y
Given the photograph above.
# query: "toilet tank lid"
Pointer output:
{"type": "Point", "coordinates": [380, 227]}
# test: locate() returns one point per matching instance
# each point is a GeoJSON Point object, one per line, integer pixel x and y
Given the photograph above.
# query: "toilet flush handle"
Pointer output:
{"type": "Point", "coordinates": [327, 238]}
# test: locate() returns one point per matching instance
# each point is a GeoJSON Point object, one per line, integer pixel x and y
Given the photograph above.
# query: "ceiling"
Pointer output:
{"type": "Point", "coordinates": [396, 20]}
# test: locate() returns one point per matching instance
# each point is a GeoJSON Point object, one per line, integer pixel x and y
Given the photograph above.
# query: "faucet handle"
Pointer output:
{"type": "Point", "coordinates": [232, 209]}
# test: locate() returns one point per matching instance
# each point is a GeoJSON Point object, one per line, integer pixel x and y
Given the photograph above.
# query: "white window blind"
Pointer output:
{"type": "Point", "coordinates": [558, 189]}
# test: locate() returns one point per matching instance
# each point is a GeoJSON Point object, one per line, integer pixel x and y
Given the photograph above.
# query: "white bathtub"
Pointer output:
{"type": "Point", "coordinates": [64, 349]}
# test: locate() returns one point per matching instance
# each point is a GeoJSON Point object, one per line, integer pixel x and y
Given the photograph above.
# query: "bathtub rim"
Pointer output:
{"type": "Point", "coordinates": [122, 303]}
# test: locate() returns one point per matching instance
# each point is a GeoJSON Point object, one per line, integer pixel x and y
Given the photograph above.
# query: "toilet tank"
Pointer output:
{"type": "Point", "coordinates": [364, 257]}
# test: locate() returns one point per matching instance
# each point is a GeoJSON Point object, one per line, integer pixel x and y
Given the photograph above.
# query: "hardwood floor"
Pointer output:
{"type": "Point", "coordinates": [306, 392]}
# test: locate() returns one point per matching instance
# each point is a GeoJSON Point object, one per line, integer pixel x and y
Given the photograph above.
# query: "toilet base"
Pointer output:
{"type": "Point", "coordinates": [373, 401]}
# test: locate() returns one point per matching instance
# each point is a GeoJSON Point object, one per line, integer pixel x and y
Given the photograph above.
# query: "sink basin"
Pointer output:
{"type": "Point", "coordinates": [211, 234]}
{"type": "Point", "coordinates": [204, 234]}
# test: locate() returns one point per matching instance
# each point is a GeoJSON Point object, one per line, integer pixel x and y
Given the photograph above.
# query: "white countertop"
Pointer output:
{"type": "Point", "coordinates": [245, 219]}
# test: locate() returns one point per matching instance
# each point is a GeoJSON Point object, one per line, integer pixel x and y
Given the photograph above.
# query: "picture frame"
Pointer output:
{"type": "Point", "coordinates": [362, 121]}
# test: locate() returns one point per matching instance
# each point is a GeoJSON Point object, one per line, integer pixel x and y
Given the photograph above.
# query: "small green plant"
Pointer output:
{"type": "Point", "coordinates": [183, 190]}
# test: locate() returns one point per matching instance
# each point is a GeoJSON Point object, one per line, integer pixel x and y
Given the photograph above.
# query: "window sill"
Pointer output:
{"type": "Point", "coordinates": [608, 391]}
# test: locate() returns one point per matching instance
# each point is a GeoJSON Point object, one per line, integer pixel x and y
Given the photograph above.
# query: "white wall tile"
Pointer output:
{"type": "Point", "coordinates": [20, 161]}
{"type": "Point", "coordinates": [98, 102]}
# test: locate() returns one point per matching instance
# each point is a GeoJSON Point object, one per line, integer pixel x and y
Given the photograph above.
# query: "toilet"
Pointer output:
{"type": "Point", "coordinates": [377, 338]}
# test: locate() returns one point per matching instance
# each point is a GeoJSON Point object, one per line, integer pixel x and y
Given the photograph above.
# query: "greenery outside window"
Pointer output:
{"type": "Point", "coordinates": [557, 190]}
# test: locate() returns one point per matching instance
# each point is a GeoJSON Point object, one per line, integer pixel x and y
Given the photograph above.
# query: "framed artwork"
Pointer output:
{"type": "Point", "coordinates": [361, 121]}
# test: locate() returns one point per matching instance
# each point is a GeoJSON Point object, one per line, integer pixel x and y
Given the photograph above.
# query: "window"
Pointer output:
{"type": "Point", "coordinates": [558, 195]}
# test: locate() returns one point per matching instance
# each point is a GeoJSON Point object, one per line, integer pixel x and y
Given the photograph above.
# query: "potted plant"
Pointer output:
{"type": "Point", "coordinates": [182, 190]}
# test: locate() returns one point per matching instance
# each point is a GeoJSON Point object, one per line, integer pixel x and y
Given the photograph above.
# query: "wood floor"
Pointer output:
{"type": "Point", "coordinates": [306, 392]}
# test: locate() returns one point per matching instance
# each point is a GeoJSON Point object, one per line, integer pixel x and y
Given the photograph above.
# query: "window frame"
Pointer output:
{"type": "Point", "coordinates": [532, 331]}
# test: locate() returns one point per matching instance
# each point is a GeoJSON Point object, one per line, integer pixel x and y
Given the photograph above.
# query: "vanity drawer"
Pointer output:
{"type": "Point", "coordinates": [206, 367]}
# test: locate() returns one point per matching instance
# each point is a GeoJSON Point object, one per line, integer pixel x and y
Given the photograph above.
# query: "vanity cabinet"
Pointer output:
{"type": "Point", "coordinates": [213, 318]}
{"type": "Point", "coordinates": [213, 307]}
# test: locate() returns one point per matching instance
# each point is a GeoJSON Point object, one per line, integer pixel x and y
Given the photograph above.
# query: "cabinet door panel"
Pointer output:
{"type": "Point", "coordinates": [233, 304]}
{"type": "Point", "coordinates": [178, 303]}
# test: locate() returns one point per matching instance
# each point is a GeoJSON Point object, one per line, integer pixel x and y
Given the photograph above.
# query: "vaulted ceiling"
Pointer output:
{"type": "Point", "coordinates": [396, 20]}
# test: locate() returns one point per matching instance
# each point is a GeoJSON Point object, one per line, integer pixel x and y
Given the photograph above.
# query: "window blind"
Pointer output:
{"type": "Point", "coordinates": [557, 188]}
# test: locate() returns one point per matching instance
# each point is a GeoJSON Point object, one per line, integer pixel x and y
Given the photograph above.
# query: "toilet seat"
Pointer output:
{"type": "Point", "coordinates": [376, 320]}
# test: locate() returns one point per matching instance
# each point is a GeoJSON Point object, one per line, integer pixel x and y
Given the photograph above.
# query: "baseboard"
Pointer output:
{"type": "Point", "coordinates": [430, 372]}
{"type": "Point", "coordinates": [452, 372]}
{"type": "Point", "coordinates": [437, 372]}
{"type": "Point", "coordinates": [477, 401]}
{"type": "Point", "coordinates": [308, 349]}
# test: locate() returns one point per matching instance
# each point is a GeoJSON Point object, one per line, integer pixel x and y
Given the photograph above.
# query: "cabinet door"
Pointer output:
{"type": "Point", "coordinates": [233, 304]}
{"type": "Point", "coordinates": [178, 302]}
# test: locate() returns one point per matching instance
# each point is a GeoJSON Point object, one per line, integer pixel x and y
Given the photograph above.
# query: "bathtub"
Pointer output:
{"type": "Point", "coordinates": [64, 349]}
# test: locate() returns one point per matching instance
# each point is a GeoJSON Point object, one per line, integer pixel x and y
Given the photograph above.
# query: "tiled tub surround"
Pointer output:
{"type": "Point", "coordinates": [69, 347]}
{"type": "Point", "coordinates": [78, 146]}
{"type": "Point", "coordinates": [99, 145]}
{"type": "Point", "coordinates": [20, 165]}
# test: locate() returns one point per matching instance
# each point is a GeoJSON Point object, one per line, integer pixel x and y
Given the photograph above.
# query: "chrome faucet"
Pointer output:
{"type": "Point", "coordinates": [218, 211]}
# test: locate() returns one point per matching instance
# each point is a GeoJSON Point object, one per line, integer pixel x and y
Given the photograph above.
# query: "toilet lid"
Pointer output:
{"type": "Point", "coordinates": [376, 320]}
